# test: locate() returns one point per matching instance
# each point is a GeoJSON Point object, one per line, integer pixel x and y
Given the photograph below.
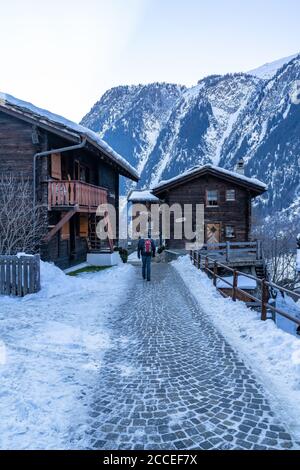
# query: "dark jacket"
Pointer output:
{"type": "Point", "coordinates": [141, 248]}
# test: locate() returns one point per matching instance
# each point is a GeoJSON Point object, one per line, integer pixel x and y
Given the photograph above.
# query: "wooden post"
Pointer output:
{"type": "Point", "coordinates": [235, 285]}
{"type": "Point", "coordinates": [227, 251]}
{"type": "Point", "coordinates": [215, 273]}
{"type": "Point", "coordinates": [258, 250]}
{"type": "Point", "coordinates": [199, 261]}
{"type": "Point", "coordinates": [264, 300]}
{"type": "Point", "coordinates": [206, 264]}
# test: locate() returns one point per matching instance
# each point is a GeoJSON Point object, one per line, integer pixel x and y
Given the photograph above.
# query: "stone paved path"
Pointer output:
{"type": "Point", "coordinates": [171, 381]}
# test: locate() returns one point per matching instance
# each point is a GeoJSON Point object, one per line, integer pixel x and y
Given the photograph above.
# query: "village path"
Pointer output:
{"type": "Point", "coordinates": [171, 381]}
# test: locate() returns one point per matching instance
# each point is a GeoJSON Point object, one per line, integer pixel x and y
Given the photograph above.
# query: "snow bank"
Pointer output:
{"type": "Point", "coordinates": [51, 350]}
{"type": "Point", "coordinates": [273, 354]}
{"type": "Point", "coordinates": [142, 196]}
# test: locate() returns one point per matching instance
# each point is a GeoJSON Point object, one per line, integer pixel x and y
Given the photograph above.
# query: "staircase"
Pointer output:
{"type": "Point", "coordinates": [95, 245]}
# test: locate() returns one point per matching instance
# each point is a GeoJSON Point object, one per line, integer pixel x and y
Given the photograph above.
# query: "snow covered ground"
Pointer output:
{"type": "Point", "coordinates": [51, 347]}
{"type": "Point", "coordinates": [273, 354]}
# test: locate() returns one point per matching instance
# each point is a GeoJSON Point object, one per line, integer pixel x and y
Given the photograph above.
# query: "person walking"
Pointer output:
{"type": "Point", "coordinates": [146, 250]}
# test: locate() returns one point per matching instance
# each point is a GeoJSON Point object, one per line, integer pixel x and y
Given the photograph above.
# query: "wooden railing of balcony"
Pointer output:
{"type": "Point", "coordinates": [70, 193]}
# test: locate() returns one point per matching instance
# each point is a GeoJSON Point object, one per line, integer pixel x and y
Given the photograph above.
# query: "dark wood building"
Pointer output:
{"type": "Point", "coordinates": [227, 198]}
{"type": "Point", "coordinates": [71, 170]}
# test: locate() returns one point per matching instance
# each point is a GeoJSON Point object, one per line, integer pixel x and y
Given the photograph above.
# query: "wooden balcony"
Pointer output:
{"type": "Point", "coordinates": [63, 195]}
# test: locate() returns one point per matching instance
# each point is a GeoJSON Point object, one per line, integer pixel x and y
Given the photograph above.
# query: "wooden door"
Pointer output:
{"type": "Point", "coordinates": [213, 233]}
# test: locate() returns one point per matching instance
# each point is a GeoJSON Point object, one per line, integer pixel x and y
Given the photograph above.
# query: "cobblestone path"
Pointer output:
{"type": "Point", "coordinates": [171, 381]}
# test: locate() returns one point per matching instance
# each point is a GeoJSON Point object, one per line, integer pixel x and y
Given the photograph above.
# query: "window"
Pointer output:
{"type": "Point", "coordinates": [212, 197]}
{"type": "Point", "coordinates": [230, 195]}
{"type": "Point", "coordinates": [229, 231]}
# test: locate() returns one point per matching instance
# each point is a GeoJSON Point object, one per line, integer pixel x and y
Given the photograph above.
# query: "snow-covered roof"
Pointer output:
{"type": "Point", "coordinates": [45, 117]}
{"type": "Point", "coordinates": [214, 168]}
{"type": "Point", "coordinates": [142, 196]}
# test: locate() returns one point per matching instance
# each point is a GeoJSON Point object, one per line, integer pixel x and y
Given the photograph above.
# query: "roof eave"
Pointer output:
{"type": "Point", "coordinates": [71, 136]}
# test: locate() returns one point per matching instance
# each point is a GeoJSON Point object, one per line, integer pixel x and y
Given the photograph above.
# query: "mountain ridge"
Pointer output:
{"type": "Point", "coordinates": [163, 129]}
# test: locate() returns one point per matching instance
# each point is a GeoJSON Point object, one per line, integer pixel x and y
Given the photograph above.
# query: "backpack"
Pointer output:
{"type": "Point", "coordinates": [148, 247]}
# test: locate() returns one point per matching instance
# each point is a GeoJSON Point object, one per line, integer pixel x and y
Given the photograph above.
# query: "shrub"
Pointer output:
{"type": "Point", "coordinates": [161, 249]}
{"type": "Point", "coordinates": [123, 253]}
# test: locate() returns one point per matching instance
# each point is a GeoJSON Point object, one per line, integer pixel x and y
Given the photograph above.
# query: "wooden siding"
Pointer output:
{"type": "Point", "coordinates": [235, 213]}
{"type": "Point", "coordinates": [16, 147]}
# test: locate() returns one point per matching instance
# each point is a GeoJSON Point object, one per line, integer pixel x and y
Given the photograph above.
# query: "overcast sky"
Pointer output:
{"type": "Point", "coordinates": [64, 54]}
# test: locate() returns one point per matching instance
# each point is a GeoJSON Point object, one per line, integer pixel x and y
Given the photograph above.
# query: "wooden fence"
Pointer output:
{"type": "Point", "coordinates": [19, 276]}
{"type": "Point", "coordinates": [210, 266]}
{"type": "Point", "coordinates": [232, 250]}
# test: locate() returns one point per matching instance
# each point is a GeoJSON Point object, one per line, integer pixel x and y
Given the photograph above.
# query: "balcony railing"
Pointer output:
{"type": "Point", "coordinates": [72, 193]}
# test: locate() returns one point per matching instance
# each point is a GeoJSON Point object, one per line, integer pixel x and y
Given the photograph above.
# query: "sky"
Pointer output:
{"type": "Point", "coordinates": [63, 55]}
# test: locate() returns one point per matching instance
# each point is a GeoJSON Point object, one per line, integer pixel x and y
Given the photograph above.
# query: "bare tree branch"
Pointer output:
{"type": "Point", "coordinates": [22, 226]}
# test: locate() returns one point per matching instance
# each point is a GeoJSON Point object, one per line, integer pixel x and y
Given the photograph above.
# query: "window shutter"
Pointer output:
{"type": "Point", "coordinates": [56, 166]}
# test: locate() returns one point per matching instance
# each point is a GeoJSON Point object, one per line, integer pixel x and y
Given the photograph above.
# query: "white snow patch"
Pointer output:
{"type": "Point", "coordinates": [142, 196]}
{"type": "Point", "coordinates": [195, 169]}
{"type": "Point", "coordinates": [68, 126]}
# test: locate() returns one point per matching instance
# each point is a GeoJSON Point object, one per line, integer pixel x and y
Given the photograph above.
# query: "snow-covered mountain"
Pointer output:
{"type": "Point", "coordinates": [164, 129]}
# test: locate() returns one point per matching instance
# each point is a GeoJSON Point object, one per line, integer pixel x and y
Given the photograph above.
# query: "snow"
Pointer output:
{"type": "Point", "coordinates": [51, 349]}
{"type": "Point", "coordinates": [243, 283]}
{"type": "Point", "coordinates": [298, 261]}
{"type": "Point", "coordinates": [45, 116]}
{"type": "Point", "coordinates": [142, 196]}
{"type": "Point", "coordinates": [269, 70]}
{"type": "Point", "coordinates": [273, 354]}
{"type": "Point", "coordinates": [216, 168]}
{"type": "Point", "coordinates": [288, 305]}
{"type": "Point", "coordinates": [134, 257]}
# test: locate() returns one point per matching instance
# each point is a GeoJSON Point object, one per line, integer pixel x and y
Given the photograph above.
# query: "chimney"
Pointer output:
{"type": "Point", "coordinates": [240, 167]}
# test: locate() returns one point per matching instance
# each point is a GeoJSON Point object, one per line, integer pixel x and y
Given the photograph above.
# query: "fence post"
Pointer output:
{"type": "Point", "coordinates": [264, 300]}
{"type": "Point", "coordinates": [258, 249]}
{"type": "Point", "coordinates": [199, 260]}
{"type": "Point", "coordinates": [206, 264]}
{"type": "Point", "coordinates": [227, 251]}
{"type": "Point", "coordinates": [215, 273]}
{"type": "Point", "coordinates": [235, 285]}
{"type": "Point", "coordinates": [191, 255]}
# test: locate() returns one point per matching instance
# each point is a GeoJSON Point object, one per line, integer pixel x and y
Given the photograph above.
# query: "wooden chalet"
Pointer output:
{"type": "Point", "coordinates": [72, 172]}
{"type": "Point", "coordinates": [227, 198]}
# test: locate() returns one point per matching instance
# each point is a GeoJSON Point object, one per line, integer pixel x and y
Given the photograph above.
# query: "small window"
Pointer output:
{"type": "Point", "coordinates": [229, 231]}
{"type": "Point", "coordinates": [230, 195]}
{"type": "Point", "coordinates": [212, 197]}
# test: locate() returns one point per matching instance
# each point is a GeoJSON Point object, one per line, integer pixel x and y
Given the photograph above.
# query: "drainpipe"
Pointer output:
{"type": "Point", "coordinates": [45, 154]}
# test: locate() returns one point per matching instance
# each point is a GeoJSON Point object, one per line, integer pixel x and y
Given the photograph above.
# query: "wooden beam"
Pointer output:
{"type": "Point", "coordinates": [61, 223]}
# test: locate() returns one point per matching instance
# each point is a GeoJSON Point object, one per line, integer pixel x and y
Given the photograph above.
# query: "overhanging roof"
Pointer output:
{"type": "Point", "coordinates": [66, 128]}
